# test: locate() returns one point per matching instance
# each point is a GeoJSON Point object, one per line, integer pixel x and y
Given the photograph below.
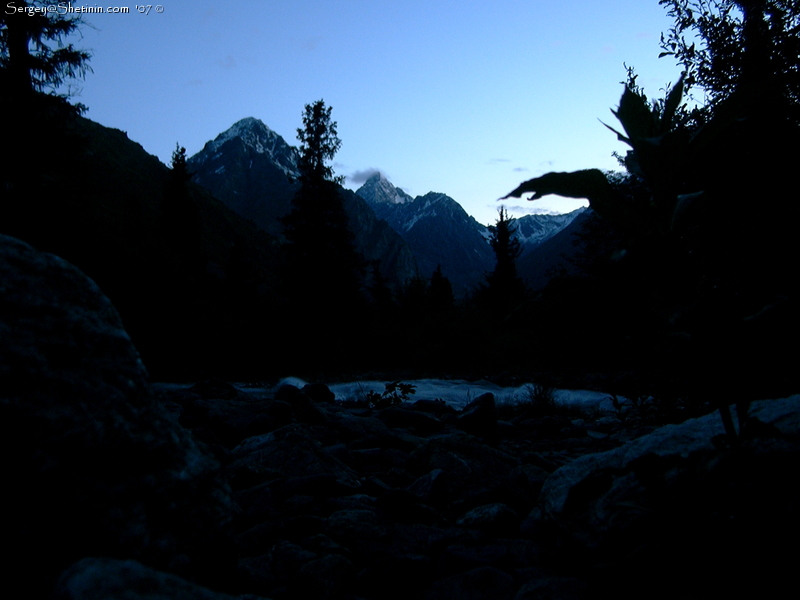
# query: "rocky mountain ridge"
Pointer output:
{"type": "Point", "coordinates": [534, 230]}
{"type": "Point", "coordinates": [253, 171]}
{"type": "Point", "coordinates": [441, 233]}
{"type": "Point", "coordinates": [438, 231]}
{"type": "Point", "coordinates": [255, 134]}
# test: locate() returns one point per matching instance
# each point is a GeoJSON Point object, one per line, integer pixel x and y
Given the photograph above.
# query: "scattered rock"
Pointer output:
{"type": "Point", "coordinates": [305, 408]}
{"type": "Point", "coordinates": [355, 524]}
{"type": "Point", "coordinates": [290, 451]}
{"type": "Point", "coordinates": [416, 422]}
{"type": "Point", "coordinates": [436, 407]}
{"type": "Point", "coordinates": [278, 567]}
{"type": "Point", "coordinates": [214, 389]}
{"type": "Point", "coordinates": [555, 588]}
{"type": "Point", "coordinates": [472, 472]}
{"type": "Point", "coordinates": [319, 392]}
{"type": "Point", "coordinates": [494, 517]}
{"type": "Point", "coordinates": [483, 583]}
{"type": "Point", "coordinates": [112, 579]}
{"type": "Point", "coordinates": [324, 578]}
{"type": "Point", "coordinates": [479, 417]}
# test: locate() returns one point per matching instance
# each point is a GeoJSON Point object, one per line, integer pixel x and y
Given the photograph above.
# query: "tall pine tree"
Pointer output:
{"type": "Point", "coordinates": [33, 54]}
{"type": "Point", "coordinates": [504, 289]}
{"type": "Point", "coordinates": [323, 271]}
{"type": "Point", "coordinates": [36, 62]}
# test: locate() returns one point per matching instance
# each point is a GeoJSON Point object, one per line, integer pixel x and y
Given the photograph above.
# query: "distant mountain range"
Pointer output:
{"type": "Point", "coordinates": [437, 229]}
{"type": "Point", "coordinates": [535, 230]}
{"type": "Point", "coordinates": [552, 256]}
{"type": "Point", "coordinates": [440, 232]}
{"type": "Point", "coordinates": [253, 171]}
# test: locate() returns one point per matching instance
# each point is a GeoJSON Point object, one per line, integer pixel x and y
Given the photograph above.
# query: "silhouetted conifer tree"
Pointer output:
{"type": "Point", "coordinates": [504, 289]}
{"type": "Point", "coordinates": [179, 170]}
{"type": "Point", "coordinates": [181, 221]}
{"type": "Point", "coordinates": [323, 271]}
{"type": "Point", "coordinates": [322, 260]}
{"type": "Point", "coordinates": [440, 291]}
{"type": "Point", "coordinates": [179, 210]}
{"type": "Point", "coordinates": [379, 290]}
{"type": "Point", "coordinates": [33, 55]}
{"type": "Point", "coordinates": [35, 62]}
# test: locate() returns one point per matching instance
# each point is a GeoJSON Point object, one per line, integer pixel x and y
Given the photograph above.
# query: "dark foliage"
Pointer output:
{"type": "Point", "coordinates": [321, 260]}
{"type": "Point", "coordinates": [736, 43]}
{"type": "Point", "coordinates": [33, 55]}
{"type": "Point", "coordinates": [688, 271]}
{"type": "Point", "coordinates": [319, 143]}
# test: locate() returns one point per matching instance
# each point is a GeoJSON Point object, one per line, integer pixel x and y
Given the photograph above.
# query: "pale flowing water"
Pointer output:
{"type": "Point", "coordinates": [459, 393]}
{"type": "Point", "coordinates": [455, 392]}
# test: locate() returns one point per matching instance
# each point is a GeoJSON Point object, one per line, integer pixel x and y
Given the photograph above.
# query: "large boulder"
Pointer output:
{"type": "Point", "coordinates": [479, 417]}
{"type": "Point", "coordinates": [93, 464]}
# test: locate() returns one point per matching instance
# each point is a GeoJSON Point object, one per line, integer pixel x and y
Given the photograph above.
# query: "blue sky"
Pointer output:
{"type": "Point", "coordinates": [465, 98]}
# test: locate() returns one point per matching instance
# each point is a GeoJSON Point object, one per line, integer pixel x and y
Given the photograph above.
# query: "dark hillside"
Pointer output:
{"type": "Point", "coordinates": [185, 274]}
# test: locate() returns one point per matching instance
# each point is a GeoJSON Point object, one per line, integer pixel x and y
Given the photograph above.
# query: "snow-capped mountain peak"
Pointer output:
{"type": "Point", "coordinates": [259, 139]}
{"type": "Point", "coordinates": [437, 229]}
{"type": "Point", "coordinates": [532, 230]}
{"type": "Point", "coordinates": [377, 190]}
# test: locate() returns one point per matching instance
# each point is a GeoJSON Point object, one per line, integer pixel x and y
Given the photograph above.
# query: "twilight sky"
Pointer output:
{"type": "Point", "coordinates": [462, 97]}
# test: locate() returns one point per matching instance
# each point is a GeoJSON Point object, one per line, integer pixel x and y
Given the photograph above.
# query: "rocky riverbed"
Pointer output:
{"type": "Point", "coordinates": [116, 487]}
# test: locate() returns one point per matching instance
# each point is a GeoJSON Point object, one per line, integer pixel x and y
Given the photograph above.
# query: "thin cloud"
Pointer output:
{"type": "Point", "coordinates": [310, 44]}
{"type": "Point", "coordinates": [362, 176]}
{"type": "Point", "coordinates": [228, 62]}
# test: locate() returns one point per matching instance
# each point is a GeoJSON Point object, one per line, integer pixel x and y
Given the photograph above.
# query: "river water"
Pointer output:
{"type": "Point", "coordinates": [456, 392]}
